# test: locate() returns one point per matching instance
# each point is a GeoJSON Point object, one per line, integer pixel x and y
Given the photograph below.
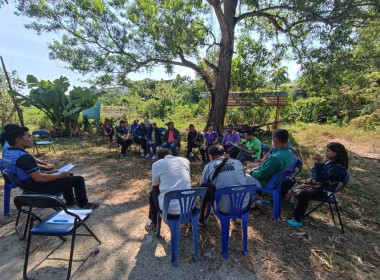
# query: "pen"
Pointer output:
{"type": "Point", "coordinates": [61, 221]}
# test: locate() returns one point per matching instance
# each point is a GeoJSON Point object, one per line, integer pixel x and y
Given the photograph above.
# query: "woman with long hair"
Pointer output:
{"type": "Point", "coordinates": [325, 177]}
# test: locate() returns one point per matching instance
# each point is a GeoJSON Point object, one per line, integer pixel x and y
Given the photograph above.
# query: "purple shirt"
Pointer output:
{"type": "Point", "coordinates": [233, 137]}
{"type": "Point", "coordinates": [210, 137]}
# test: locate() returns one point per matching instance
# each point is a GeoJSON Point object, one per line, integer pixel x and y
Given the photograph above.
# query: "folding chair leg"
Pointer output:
{"type": "Point", "coordinates": [311, 211]}
{"type": "Point", "coordinates": [332, 213]}
{"type": "Point", "coordinates": [340, 219]}
{"type": "Point", "coordinates": [71, 251]}
{"type": "Point", "coordinates": [18, 230]}
{"type": "Point", "coordinates": [27, 251]}
{"type": "Point", "coordinates": [91, 232]}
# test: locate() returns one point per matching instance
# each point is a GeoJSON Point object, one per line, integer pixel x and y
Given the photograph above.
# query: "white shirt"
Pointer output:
{"type": "Point", "coordinates": [171, 173]}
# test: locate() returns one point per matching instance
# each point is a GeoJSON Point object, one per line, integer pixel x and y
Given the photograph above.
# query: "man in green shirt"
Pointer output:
{"type": "Point", "coordinates": [280, 159]}
{"type": "Point", "coordinates": [253, 150]}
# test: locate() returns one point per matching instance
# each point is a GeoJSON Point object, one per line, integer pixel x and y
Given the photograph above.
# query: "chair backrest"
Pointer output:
{"type": "Point", "coordinates": [299, 165]}
{"type": "Point", "coordinates": [10, 178]}
{"type": "Point", "coordinates": [40, 132]}
{"type": "Point", "coordinates": [264, 147]}
{"type": "Point", "coordinates": [236, 196]}
{"type": "Point", "coordinates": [276, 179]}
{"type": "Point", "coordinates": [38, 201]}
{"type": "Point", "coordinates": [344, 183]}
{"type": "Point", "coordinates": [187, 200]}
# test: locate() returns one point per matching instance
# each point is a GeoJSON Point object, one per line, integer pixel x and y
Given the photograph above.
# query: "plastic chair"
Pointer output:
{"type": "Point", "coordinates": [8, 186]}
{"type": "Point", "coordinates": [40, 134]}
{"type": "Point", "coordinates": [331, 199]}
{"type": "Point", "coordinates": [59, 228]}
{"type": "Point", "coordinates": [236, 196]}
{"type": "Point", "coordinates": [189, 214]}
{"type": "Point", "coordinates": [264, 149]}
{"type": "Point", "coordinates": [12, 179]}
{"type": "Point", "coordinates": [275, 191]}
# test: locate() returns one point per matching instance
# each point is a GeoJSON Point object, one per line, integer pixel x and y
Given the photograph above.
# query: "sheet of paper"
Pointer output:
{"type": "Point", "coordinates": [67, 167]}
{"type": "Point", "coordinates": [63, 218]}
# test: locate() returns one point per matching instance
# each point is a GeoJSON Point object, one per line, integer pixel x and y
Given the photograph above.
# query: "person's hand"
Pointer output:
{"type": "Point", "coordinates": [318, 158]}
{"type": "Point", "coordinates": [64, 174]}
{"type": "Point", "coordinates": [248, 171]}
{"type": "Point", "coordinates": [229, 150]}
{"type": "Point", "coordinates": [50, 166]}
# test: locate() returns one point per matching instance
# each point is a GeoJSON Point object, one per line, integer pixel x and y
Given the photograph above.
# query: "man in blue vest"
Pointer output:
{"type": "Point", "coordinates": [20, 163]}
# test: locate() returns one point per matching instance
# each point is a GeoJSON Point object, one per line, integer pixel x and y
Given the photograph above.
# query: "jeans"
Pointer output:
{"type": "Point", "coordinates": [154, 147]}
{"type": "Point", "coordinates": [244, 156]}
{"type": "Point", "coordinates": [66, 185]}
{"type": "Point", "coordinates": [303, 201]}
{"type": "Point", "coordinates": [172, 147]}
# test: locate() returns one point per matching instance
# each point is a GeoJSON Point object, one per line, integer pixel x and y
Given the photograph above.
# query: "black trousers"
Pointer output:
{"type": "Point", "coordinates": [190, 146]}
{"type": "Point", "coordinates": [124, 145]}
{"type": "Point", "coordinates": [141, 142]}
{"type": "Point", "coordinates": [154, 206]}
{"type": "Point", "coordinates": [233, 153]}
{"type": "Point", "coordinates": [303, 201]}
{"type": "Point", "coordinates": [204, 153]}
{"type": "Point", "coordinates": [66, 185]}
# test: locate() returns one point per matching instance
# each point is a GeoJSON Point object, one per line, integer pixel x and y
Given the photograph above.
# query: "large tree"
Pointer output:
{"type": "Point", "coordinates": [116, 37]}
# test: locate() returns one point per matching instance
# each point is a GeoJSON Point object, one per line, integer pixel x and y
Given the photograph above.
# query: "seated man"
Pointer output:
{"type": "Point", "coordinates": [139, 138]}
{"type": "Point", "coordinates": [172, 138]}
{"type": "Point", "coordinates": [231, 137]}
{"type": "Point", "coordinates": [231, 174]}
{"type": "Point", "coordinates": [123, 138]}
{"type": "Point", "coordinates": [253, 150]}
{"type": "Point", "coordinates": [153, 139]}
{"type": "Point", "coordinates": [169, 173]}
{"type": "Point", "coordinates": [280, 159]}
{"type": "Point", "coordinates": [192, 140]}
{"type": "Point", "coordinates": [18, 162]}
{"type": "Point", "coordinates": [108, 129]}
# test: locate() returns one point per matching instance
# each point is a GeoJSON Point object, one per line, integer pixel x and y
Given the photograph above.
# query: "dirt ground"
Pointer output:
{"type": "Point", "coordinates": [121, 187]}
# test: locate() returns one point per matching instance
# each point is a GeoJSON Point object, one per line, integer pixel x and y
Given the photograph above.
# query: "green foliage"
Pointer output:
{"type": "Point", "coordinates": [367, 122]}
{"type": "Point", "coordinates": [313, 109]}
{"type": "Point", "coordinates": [50, 98]}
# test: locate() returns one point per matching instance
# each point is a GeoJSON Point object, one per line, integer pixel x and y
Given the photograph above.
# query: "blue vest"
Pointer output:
{"type": "Point", "coordinates": [9, 164]}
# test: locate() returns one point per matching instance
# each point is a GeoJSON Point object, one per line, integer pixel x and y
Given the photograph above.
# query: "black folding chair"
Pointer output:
{"type": "Point", "coordinates": [331, 199]}
{"type": "Point", "coordinates": [50, 227]}
{"type": "Point", "coordinates": [12, 179]}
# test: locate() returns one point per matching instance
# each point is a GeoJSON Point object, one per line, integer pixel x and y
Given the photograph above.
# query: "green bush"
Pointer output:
{"type": "Point", "coordinates": [312, 109]}
{"type": "Point", "coordinates": [367, 122]}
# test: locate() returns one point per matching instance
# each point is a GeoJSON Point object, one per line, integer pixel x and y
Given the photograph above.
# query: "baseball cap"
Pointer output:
{"type": "Point", "coordinates": [141, 124]}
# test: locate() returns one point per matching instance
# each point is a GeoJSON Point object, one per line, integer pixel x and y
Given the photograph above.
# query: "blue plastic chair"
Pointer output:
{"type": "Point", "coordinates": [59, 228]}
{"type": "Point", "coordinates": [41, 134]}
{"type": "Point", "coordinates": [8, 186]}
{"type": "Point", "coordinates": [275, 191]}
{"type": "Point", "coordinates": [331, 199]}
{"type": "Point", "coordinates": [236, 196]}
{"type": "Point", "coordinates": [189, 214]}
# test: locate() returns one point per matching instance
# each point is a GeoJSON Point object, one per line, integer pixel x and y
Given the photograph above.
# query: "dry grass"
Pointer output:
{"type": "Point", "coordinates": [316, 251]}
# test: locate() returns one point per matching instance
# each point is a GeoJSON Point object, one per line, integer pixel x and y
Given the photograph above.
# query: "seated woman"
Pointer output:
{"type": "Point", "coordinates": [211, 137]}
{"type": "Point", "coordinates": [192, 140]}
{"type": "Point", "coordinates": [108, 129]}
{"type": "Point", "coordinates": [325, 177]}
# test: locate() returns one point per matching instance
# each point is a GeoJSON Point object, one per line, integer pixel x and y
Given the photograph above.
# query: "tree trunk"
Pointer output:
{"type": "Point", "coordinates": [219, 96]}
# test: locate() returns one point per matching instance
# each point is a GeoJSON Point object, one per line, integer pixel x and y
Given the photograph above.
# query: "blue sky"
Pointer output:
{"type": "Point", "coordinates": [27, 53]}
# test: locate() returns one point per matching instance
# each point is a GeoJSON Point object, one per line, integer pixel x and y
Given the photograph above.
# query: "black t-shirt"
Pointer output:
{"type": "Point", "coordinates": [26, 162]}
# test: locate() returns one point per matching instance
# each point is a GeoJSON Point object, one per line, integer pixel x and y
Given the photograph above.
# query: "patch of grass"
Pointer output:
{"type": "Point", "coordinates": [316, 251]}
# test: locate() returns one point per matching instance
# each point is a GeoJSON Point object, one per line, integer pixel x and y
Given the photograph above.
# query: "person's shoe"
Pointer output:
{"type": "Point", "coordinates": [267, 202]}
{"type": "Point", "coordinates": [258, 202]}
{"type": "Point", "coordinates": [122, 156]}
{"type": "Point", "coordinates": [294, 223]}
{"type": "Point", "coordinates": [191, 155]}
{"type": "Point", "coordinates": [201, 222]}
{"type": "Point", "coordinates": [91, 205]}
{"type": "Point", "coordinates": [147, 156]}
{"type": "Point", "coordinates": [154, 157]}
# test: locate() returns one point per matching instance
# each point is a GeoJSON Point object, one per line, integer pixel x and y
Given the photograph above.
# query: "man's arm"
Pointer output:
{"type": "Point", "coordinates": [39, 177]}
{"type": "Point", "coordinates": [44, 165]}
{"type": "Point", "coordinates": [267, 169]}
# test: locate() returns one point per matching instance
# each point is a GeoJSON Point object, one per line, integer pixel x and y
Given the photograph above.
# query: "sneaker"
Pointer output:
{"type": "Point", "coordinates": [201, 222]}
{"type": "Point", "coordinates": [92, 205]}
{"type": "Point", "coordinates": [147, 156]}
{"type": "Point", "coordinates": [154, 157]}
{"type": "Point", "coordinates": [122, 156]}
{"type": "Point", "coordinates": [258, 202]}
{"type": "Point", "coordinates": [267, 202]}
{"type": "Point", "coordinates": [191, 155]}
{"type": "Point", "coordinates": [294, 223]}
